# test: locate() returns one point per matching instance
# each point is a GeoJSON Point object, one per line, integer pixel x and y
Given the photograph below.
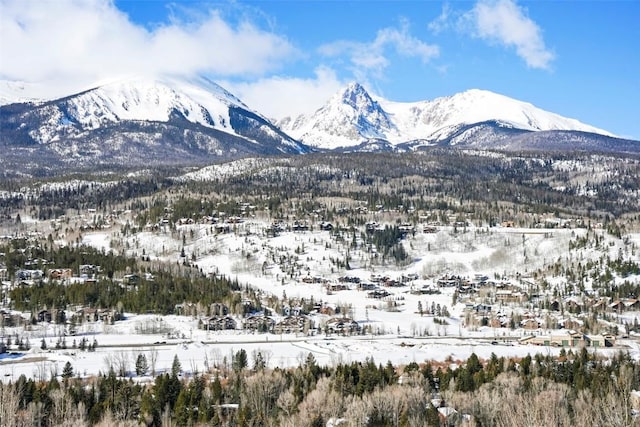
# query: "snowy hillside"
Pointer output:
{"type": "Point", "coordinates": [204, 103]}
{"type": "Point", "coordinates": [352, 117]}
{"type": "Point", "coordinates": [140, 119]}
{"type": "Point", "coordinates": [142, 99]}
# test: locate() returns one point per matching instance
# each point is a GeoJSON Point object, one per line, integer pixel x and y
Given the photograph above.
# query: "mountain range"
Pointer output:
{"type": "Point", "coordinates": [353, 118]}
{"type": "Point", "coordinates": [171, 120]}
{"type": "Point", "coordinates": [138, 121]}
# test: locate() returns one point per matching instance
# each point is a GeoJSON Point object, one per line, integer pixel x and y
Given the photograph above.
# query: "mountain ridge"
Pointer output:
{"type": "Point", "coordinates": [429, 120]}
{"type": "Point", "coordinates": [142, 120]}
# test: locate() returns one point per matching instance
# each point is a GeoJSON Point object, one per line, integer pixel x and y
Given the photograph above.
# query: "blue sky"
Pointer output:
{"type": "Point", "coordinates": [580, 59]}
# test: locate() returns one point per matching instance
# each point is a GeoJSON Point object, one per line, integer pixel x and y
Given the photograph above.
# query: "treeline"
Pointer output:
{"type": "Point", "coordinates": [160, 295]}
{"type": "Point", "coordinates": [427, 179]}
{"type": "Point", "coordinates": [492, 188]}
{"type": "Point", "coordinates": [575, 389]}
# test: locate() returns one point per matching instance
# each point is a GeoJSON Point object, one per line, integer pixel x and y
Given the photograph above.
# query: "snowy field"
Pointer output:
{"type": "Point", "coordinates": [201, 351]}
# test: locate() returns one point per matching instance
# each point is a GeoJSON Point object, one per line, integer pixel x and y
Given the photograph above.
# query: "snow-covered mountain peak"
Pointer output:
{"type": "Point", "coordinates": [143, 98]}
{"type": "Point", "coordinates": [476, 106]}
{"type": "Point", "coordinates": [349, 118]}
{"type": "Point", "coordinates": [186, 118]}
{"type": "Point", "coordinates": [352, 117]}
{"type": "Point", "coordinates": [355, 96]}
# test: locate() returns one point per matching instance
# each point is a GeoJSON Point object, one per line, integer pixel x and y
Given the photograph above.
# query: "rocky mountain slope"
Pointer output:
{"type": "Point", "coordinates": [354, 120]}
{"type": "Point", "coordinates": [141, 120]}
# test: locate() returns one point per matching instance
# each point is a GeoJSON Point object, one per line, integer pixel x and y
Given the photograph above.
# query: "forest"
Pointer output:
{"type": "Point", "coordinates": [576, 389]}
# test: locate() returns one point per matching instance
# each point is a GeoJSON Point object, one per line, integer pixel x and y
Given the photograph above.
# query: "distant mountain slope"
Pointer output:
{"type": "Point", "coordinates": [163, 120]}
{"type": "Point", "coordinates": [349, 118]}
{"type": "Point", "coordinates": [353, 120]}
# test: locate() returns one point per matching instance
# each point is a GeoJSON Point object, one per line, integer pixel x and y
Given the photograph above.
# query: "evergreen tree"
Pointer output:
{"type": "Point", "coordinates": [176, 367]}
{"type": "Point", "coordinates": [67, 371]}
{"type": "Point", "coordinates": [142, 367]}
{"type": "Point", "coordinates": [240, 360]}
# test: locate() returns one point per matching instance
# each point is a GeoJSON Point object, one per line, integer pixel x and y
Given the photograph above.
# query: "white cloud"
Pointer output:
{"type": "Point", "coordinates": [91, 39]}
{"type": "Point", "coordinates": [372, 58]}
{"type": "Point", "coordinates": [506, 23]}
{"type": "Point", "coordinates": [279, 97]}
{"type": "Point", "coordinates": [442, 22]}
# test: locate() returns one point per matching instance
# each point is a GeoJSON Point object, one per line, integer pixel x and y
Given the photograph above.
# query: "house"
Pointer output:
{"type": "Point", "coordinates": [328, 310]}
{"type": "Point", "coordinates": [342, 325]}
{"type": "Point", "coordinates": [109, 316]}
{"type": "Point", "coordinates": [601, 304]}
{"type": "Point", "coordinates": [258, 322]}
{"type": "Point", "coordinates": [530, 324]}
{"type": "Point", "coordinates": [509, 296]}
{"type": "Point", "coordinates": [570, 339]}
{"type": "Point", "coordinates": [371, 227]}
{"type": "Point", "coordinates": [335, 287]}
{"type": "Point", "coordinates": [8, 320]}
{"type": "Point", "coordinates": [218, 323]}
{"type": "Point", "coordinates": [86, 314]}
{"type": "Point", "coordinates": [626, 304]}
{"type": "Point", "coordinates": [326, 226]}
{"type": "Point", "coordinates": [89, 270]}
{"type": "Point", "coordinates": [60, 274]}
{"type": "Point", "coordinates": [573, 304]}
{"type": "Point", "coordinates": [300, 225]}
{"type": "Point", "coordinates": [378, 294]}
{"type": "Point", "coordinates": [571, 324]}
{"type": "Point", "coordinates": [499, 322]}
{"type": "Point", "coordinates": [223, 228]}
{"type": "Point", "coordinates": [366, 286]}
{"type": "Point", "coordinates": [131, 279]}
{"type": "Point", "coordinates": [291, 324]}
{"type": "Point", "coordinates": [29, 274]}
{"type": "Point", "coordinates": [287, 310]}
{"type": "Point", "coordinates": [45, 316]}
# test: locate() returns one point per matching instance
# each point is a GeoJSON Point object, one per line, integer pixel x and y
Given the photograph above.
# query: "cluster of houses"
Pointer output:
{"type": "Point", "coordinates": [293, 320]}
{"type": "Point", "coordinates": [553, 318]}
{"type": "Point", "coordinates": [298, 225]}
{"type": "Point", "coordinates": [80, 315]}
{"type": "Point", "coordinates": [374, 287]}
{"type": "Point", "coordinates": [570, 339]}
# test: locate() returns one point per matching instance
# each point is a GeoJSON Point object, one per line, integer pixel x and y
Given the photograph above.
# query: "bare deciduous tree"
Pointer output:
{"type": "Point", "coordinates": [262, 391]}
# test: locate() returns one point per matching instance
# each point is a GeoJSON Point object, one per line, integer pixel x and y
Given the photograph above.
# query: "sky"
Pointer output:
{"type": "Point", "coordinates": [580, 59]}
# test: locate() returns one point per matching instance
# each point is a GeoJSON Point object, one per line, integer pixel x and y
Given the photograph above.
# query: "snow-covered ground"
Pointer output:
{"type": "Point", "coordinates": [277, 265]}
{"type": "Point", "coordinates": [199, 350]}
